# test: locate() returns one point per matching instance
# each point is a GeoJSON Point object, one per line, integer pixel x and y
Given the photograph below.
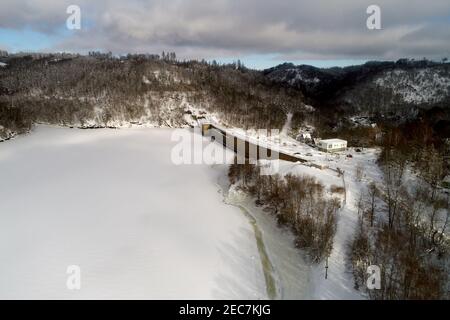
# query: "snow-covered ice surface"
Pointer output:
{"type": "Point", "coordinates": [112, 202]}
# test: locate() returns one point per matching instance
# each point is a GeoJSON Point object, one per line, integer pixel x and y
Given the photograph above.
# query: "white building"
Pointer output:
{"type": "Point", "coordinates": [332, 145]}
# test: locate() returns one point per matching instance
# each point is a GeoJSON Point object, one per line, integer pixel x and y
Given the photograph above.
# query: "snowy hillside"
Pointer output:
{"type": "Point", "coordinates": [104, 91]}
{"type": "Point", "coordinates": [419, 86]}
{"type": "Point", "coordinates": [374, 87]}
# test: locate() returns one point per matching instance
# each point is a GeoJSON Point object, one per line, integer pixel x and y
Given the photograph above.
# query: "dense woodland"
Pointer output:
{"type": "Point", "coordinates": [403, 222]}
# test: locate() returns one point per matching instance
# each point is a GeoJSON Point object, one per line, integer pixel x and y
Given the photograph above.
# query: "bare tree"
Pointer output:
{"type": "Point", "coordinates": [372, 193]}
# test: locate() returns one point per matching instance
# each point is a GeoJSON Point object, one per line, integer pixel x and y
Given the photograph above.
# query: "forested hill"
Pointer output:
{"type": "Point", "coordinates": [101, 90]}
{"type": "Point", "coordinates": [399, 88]}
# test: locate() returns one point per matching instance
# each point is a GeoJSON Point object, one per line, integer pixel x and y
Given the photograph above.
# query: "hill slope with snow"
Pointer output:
{"type": "Point", "coordinates": [375, 87]}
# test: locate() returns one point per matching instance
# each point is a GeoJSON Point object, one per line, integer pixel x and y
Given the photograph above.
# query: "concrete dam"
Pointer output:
{"type": "Point", "coordinates": [244, 147]}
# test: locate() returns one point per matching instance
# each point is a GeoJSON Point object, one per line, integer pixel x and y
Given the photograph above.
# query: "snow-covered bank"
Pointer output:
{"type": "Point", "coordinates": [290, 270]}
{"type": "Point", "coordinates": [339, 283]}
{"type": "Point", "coordinates": [332, 278]}
{"type": "Point", "coordinates": [112, 202]}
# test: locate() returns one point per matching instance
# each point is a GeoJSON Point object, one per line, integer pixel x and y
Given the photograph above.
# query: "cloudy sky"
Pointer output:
{"type": "Point", "coordinates": [261, 33]}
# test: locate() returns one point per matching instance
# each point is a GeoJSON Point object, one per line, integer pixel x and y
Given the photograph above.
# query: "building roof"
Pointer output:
{"type": "Point", "coordinates": [333, 141]}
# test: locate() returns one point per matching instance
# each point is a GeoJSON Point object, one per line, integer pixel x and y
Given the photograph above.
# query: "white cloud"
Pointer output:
{"type": "Point", "coordinates": [198, 28]}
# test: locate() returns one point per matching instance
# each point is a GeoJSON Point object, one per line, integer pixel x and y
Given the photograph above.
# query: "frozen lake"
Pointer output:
{"type": "Point", "coordinates": [113, 203]}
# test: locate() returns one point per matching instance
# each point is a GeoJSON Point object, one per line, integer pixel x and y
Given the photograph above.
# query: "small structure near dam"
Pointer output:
{"type": "Point", "coordinates": [243, 147]}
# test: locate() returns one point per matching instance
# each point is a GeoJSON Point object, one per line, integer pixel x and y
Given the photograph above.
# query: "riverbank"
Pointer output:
{"type": "Point", "coordinates": [287, 273]}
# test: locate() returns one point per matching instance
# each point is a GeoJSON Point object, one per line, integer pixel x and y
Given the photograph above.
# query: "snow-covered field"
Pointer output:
{"type": "Point", "coordinates": [112, 202]}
